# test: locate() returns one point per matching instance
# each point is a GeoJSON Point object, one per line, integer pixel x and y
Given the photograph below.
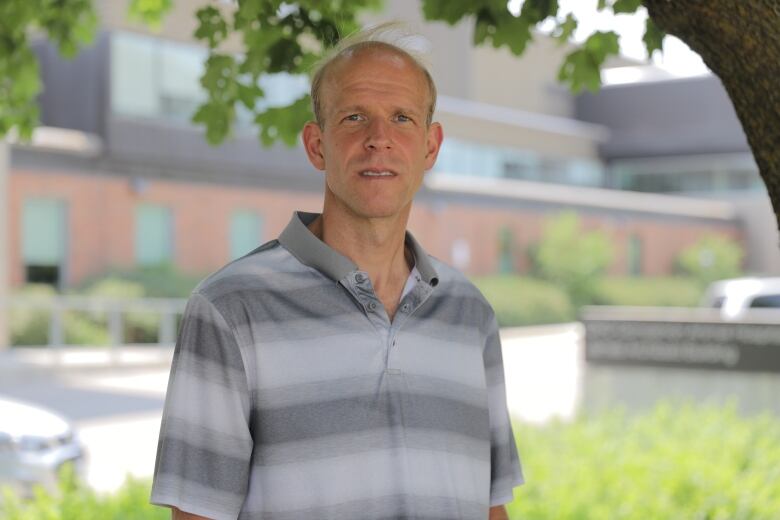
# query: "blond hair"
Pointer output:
{"type": "Point", "coordinates": [391, 36]}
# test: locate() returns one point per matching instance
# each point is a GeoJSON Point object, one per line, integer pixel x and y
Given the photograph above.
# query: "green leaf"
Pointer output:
{"type": "Point", "coordinates": [653, 38]}
{"type": "Point", "coordinates": [248, 95]}
{"type": "Point", "coordinates": [601, 5]}
{"type": "Point", "coordinates": [565, 29]}
{"type": "Point", "coordinates": [582, 67]}
{"type": "Point", "coordinates": [626, 6]}
{"type": "Point", "coordinates": [211, 26]}
{"type": "Point", "coordinates": [535, 11]}
{"type": "Point", "coordinates": [150, 12]}
{"type": "Point", "coordinates": [284, 123]}
{"type": "Point", "coordinates": [218, 119]}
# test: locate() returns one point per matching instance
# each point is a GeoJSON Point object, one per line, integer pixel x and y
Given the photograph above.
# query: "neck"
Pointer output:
{"type": "Point", "coordinates": [375, 245]}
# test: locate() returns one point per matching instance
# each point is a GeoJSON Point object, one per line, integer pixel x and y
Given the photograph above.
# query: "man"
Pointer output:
{"type": "Point", "coordinates": [339, 372]}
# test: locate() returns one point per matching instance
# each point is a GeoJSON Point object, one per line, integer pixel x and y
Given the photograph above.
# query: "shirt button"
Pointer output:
{"type": "Point", "coordinates": [371, 306]}
{"type": "Point", "coordinates": [359, 278]}
{"type": "Point", "coordinates": [405, 307]}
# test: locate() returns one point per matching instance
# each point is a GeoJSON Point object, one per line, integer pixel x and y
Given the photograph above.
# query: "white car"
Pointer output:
{"type": "Point", "coordinates": [35, 444]}
{"type": "Point", "coordinates": [735, 297]}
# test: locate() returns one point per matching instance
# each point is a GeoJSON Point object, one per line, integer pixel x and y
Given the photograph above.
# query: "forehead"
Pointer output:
{"type": "Point", "coordinates": [378, 74]}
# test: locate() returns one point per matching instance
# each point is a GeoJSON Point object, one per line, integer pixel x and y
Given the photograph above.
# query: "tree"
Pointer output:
{"type": "Point", "coordinates": [738, 40]}
{"type": "Point", "coordinates": [572, 258]}
{"type": "Point", "coordinates": [714, 257]}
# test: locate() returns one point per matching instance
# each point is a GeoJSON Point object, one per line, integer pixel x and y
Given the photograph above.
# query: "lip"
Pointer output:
{"type": "Point", "coordinates": [377, 169]}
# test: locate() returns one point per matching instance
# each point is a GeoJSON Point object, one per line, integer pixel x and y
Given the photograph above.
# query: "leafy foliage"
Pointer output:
{"type": "Point", "coordinates": [675, 461]}
{"type": "Point", "coordinates": [714, 257]}
{"type": "Point", "coordinates": [277, 37]}
{"type": "Point", "coordinates": [75, 501]}
{"type": "Point", "coordinates": [68, 23]}
{"type": "Point", "coordinates": [572, 258]}
{"type": "Point", "coordinates": [519, 300]}
{"type": "Point", "coordinates": [655, 292]}
{"type": "Point", "coordinates": [150, 12]}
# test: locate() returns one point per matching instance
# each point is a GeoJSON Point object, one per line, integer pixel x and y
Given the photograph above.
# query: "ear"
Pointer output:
{"type": "Point", "coordinates": [312, 142]}
{"type": "Point", "coordinates": [434, 139]}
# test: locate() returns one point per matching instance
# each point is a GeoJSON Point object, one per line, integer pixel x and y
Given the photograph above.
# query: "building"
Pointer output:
{"type": "Point", "coordinates": [118, 177]}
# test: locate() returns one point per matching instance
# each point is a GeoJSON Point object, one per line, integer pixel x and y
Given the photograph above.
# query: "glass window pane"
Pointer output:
{"type": "Point", "coordinates": [153, 234]}
{"type": "Point", "coordinates": [43, 231]}
{"type": "Point", "coordinates": [245, 233]}
{"type": "Point", "coordinates": [133, 81]}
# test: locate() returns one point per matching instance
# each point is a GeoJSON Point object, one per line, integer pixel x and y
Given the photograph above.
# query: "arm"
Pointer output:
{"type": "Point", "coordinates": [178, 514]}
{"type": "Point", "coordinates": [498, 513]}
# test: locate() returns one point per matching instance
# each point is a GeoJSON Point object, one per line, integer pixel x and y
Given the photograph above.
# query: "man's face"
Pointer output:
{"type": "Point", "coordinates": [374, 145]}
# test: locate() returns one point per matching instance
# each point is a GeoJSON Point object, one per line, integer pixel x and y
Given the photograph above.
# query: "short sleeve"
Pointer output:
{"type": "Point", "coordinates": [205, 444]}
{"type": "Point", "coordinates": [505, 469]}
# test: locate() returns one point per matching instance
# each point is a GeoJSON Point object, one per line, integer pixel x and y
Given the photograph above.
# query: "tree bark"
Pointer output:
{"type": "Point", "coordinates": [739, 40]}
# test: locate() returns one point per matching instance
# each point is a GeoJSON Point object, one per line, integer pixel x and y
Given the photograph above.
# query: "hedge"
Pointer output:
{"type": "Point", "coordinates": [676, 461]}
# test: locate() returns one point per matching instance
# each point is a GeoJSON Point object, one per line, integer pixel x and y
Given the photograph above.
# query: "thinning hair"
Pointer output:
{"type": "Point", "coordinates": [390, 36]}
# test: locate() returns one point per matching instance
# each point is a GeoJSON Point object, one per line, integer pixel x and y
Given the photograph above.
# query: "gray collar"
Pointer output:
{"type": "Point", "coordinates": [315, 253]}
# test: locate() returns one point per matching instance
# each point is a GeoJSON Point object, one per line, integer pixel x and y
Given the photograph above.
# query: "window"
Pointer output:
{"type": "Point", "coordinates": [153, 235]}
{"type": "Point", "coordinates": [634, 256]}
{"type": "Point", "coordinates": [157, 78]}
{"type": "Point", "coordinates": [44, 240]}
{"type": "Point", "coordinates": [767, 301]}
{"type": "Point", "coordinates": [245, 233]}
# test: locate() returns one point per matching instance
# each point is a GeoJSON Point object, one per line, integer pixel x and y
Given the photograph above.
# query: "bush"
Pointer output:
{"type": "Point", "coordinates": [75, 501]}
{"type": "Point", "coordinates": [676, 461]}
{"type": "Point", "coordinates": [572, 258]}
{"type": "Point", "coordinates": [140, 327]}
{"type": "Point", "coordinates": [31, 326]}
{"type": "Point", "coordinates": [163, 281]}
{"type": "Point", "coordinates": [714, 257]}
{"type": "Point", "coordinates": [656, 292]}
{"type": "Point", "coordinates": [524, 301]}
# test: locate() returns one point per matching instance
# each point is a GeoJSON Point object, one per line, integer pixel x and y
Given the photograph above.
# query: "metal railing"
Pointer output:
{"type": "Point", "coordinates": [115, 309]}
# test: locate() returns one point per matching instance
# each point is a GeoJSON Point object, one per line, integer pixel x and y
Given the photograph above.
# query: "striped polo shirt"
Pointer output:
{"type": "Point", "coordinates": [293, 396]}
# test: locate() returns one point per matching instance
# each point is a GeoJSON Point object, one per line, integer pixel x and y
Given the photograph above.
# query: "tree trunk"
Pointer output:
{"type": "Point", "coordinates": [739, 40]}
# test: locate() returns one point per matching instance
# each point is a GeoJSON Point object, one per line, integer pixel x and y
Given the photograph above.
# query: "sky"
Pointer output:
{"type": "Point", "coordinates": [677, 59]}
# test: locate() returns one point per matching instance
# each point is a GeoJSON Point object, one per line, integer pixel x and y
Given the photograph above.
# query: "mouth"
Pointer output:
{"type": "Point", "coordinates": [377, 173]}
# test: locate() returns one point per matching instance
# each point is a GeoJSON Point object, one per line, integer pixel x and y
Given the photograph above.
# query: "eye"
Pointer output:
{"type": "Point", "coordinates": [353, 117]}
{"type": "Point", "coordinates": [403, 118]}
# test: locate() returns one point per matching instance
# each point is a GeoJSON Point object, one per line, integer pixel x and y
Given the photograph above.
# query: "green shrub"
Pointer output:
{"type": "Point", "coordinates": [140, 327]}
{"type": "Point", "coordinates": [572, 258]}
{"type": "Point", "coordinates": [163, 281]}
{"type": "Point", "coordinates": [524, 301]}
{"type": "Point", "coordinates": [31, 326]}
{"type": "Point", "coordinates": [658, 292]}
{"type": "Point", "coordinates": [714, 257]}
{"type": "Point", "coordinates": [674, 462]}
{"type": "Point", "coordinates": [76, 501]}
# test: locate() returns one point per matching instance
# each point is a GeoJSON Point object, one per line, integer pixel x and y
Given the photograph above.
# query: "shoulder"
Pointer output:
{"type": "Point", "coordinates": [251, 272]}
{"type": "Point", "coordinates": [457, 287]}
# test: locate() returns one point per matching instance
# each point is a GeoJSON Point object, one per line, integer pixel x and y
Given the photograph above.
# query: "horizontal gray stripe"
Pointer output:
{"type": "Point", "coordinates": [198, 369]}
{"type": "Point", "coordinates": [207, 439]}
{"type": "Point", "coordinates": [203, 466]}
{"type": "Point", "coordinates": [338, 480]}
{"type": "Point", "coordinates": [370, 412]}
{"type": "Point", "coordinates": [206, 333]}
{"type": "Point", "coordinates": [345, 388]}
{"type": "Point", "coordinates": [345, 444]}
{"type": "Point", "coordinates": [393, 507]}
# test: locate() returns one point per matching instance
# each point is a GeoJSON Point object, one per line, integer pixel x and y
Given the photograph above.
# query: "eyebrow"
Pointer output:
{"type": "Point", "coordinates": [361, 108]}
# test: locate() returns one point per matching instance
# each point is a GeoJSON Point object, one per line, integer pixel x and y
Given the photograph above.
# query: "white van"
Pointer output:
{"type": "Point", "coordinates": [736, 296]}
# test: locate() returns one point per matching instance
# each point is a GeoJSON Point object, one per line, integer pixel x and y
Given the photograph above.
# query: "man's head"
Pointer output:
{"type": "Point", "coordinates": [373, 136]}
{"type": "Point", "coordinates": [390, 37]}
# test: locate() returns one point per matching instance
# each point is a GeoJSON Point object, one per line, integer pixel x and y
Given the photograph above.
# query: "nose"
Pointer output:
{"type": "Point", "coordinates": [378, 136]}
